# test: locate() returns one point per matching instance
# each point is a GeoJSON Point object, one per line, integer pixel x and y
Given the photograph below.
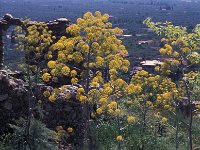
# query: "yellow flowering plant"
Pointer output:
{"type": "Point", "coordinates": [92, 56]}
{"type": "Point", "coordinates": [181, 50]}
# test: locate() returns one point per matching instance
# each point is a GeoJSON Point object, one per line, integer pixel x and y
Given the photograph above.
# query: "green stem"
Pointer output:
{"type": "Point", "coordinates": [177, 128]}
{"type": "Point", "coordinates": [27, 130]}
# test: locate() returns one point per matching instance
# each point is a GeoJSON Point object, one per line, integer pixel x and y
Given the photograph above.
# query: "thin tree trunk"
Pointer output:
{"type": "Point", "coordinates": [119, 132]}
{"type": "Point", "coordinates": [190, 115]}
{"type": "Point", "coordinates": [89, 135]}
{"type": "Point", "coordinates": [190, 128]}
{"type": "Point", "coordinates": [118, 128]}
{"type": "Point", "coordinates": [144, 123]}
{"type": "Point", "coordinates": [27, 130]}
{"type": "Point", "coordinates": [177, 128]}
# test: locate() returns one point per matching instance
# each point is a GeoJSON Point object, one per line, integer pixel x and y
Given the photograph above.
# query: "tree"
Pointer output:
{"type": "Point", "coordinates": [92, 57]}
{"type": "Point", "coordinates": [181, 50]}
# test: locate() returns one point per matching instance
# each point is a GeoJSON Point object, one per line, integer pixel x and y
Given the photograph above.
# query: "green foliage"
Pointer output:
{"type": "Point", "coordinates": [5, 142]}
{"type": "Point", "coordinates": [40, 137]}
{"type": "Point", "coordinates": [106, 137]}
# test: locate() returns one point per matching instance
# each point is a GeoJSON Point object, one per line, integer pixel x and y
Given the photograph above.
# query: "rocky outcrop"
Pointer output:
{"type": "Point", "coordinates": [62, 112]}
{"type": "Point", "coordinates": [13, 95]}
{"type": "Point", "coordinates": [58, 28]}
{"type": "Point", "coordinates": [66, 113]}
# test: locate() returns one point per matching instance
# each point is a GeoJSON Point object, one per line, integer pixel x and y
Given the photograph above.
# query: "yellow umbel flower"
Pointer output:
{"type": "Point", "coordinates": [52, 98]}
{"type": "Point", "coordinates": [108, 90]}
{"type": "Point", "coordinates": [117, 111]}
{"type": "Point", "coordinates": [85, 48]}
{"type": "Point", "coordinates": [69, 46]}
{"type": "Point", "coordinates": [73, 73]}
{"type": "Point", "coordinates": [83, 98]}
{"type": "Point", "coordinates": [175, 54]}
{"type": "Point", "coordinates": [143, 73]}
{"type": "Point", "coordinates": [157, 68]}
{"type": "Point", "coordinates": [46, 77]}
{"type": "Point", "coordinates": [70, 57]}
{"type": "Point", "coordinates": [126, 63]}
{"type": "Point", "coordinates": [97, 14]}
{"type": "Point", "coordinates": [110, 111]}
{"type": "Point", "coordinates": [131, 119]}
{"type": "Point", "coordinates": [99, 61]}
{"type": "Point", "coordinates": [157, 115]}
{"type": "Point", "coordinates": [175, 62]}
{"type": "Point", "coordinates": [162, 51]}
{"type": "Point", "coordinates": [46, 93]}
{"type": "Point", "coordinates": [112, 105]}
{"type": "Point", "coordinates": [137, 89]}
{"type": "Point", "coordinates": [119, 83]}
{"type": "Point", "coordinates": [99, 111]}
{"type": "Point", "coordinates": [81, 90]}
{"type": "Point", "coordinates": [77, 56]}
{"type": "Point", "coordinates": [164, 120]}
{"type": "Point", "coordinates": [94, 84]}
{"type": "Point", "coordinates": [130, 89]}
{"type": "Point", "coordinates": [51, 64]}
{"type": "Point", "coordinates": [124, 69]}
{"type": "Point", "coordinates": [69, 130]}
{"type": "Point", "coordinates": [53, 72]}
{"type": "Point", "coordinates": [119, 138]}
{"type": "Point", "coordinates": [74, 80]}
{"type": "Point", "coordinates": [103, 100]}
{"type": "Point", "coordinates": [112, 71]}
{"type": "Point", "coordinates": [65, 70]}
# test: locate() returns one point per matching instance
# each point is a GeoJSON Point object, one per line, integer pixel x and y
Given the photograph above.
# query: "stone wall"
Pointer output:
{"type": "Point", "coordinates": [13, 95]}
{"type": "Point", "coordinates": [58, 28]}
{"type": "Point", "coordinates": [14, 104]}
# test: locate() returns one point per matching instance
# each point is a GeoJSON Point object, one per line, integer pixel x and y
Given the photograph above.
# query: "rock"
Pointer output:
{"type": "Point", "coordinates": [67, 108]}
{"type": "Point", "coordinates": [8, 105]}
{"type": "Point", "coordinates": [12, 98]}
{"type": "Point", "coordinates": [3, 97]}
{"type": "Point", "coordinates": [63, 20]}
{"type": "Point", "coordinates": [7, 17]}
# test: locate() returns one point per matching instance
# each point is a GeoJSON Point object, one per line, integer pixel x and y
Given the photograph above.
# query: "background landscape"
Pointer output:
{"type": "Point", "coordinates": [126, 14]}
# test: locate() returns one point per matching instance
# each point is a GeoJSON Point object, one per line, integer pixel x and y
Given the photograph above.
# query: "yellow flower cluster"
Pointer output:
{"type": "Point", "coordinates": [119, 83]}
{"type": "Point", "coordinates": [73, 73]}
{"type": "Point", "coordinates": [99, 61]}
{"type": "Point", "coordinates": [103, 100]}
{"type": "Point", "coordinates": [112, 105]}
{"type": "Point", "coordinates": [107, 90]}
{"type": "Point", "coordinates": [46, 77]}
{"type": "Point", "coordinates": [99, 111]}
{"type": "Point", "coordinates": [131, 88]}
{"type": "Point", "coordinates": [65, 70]}
{"type": "Point", "coordinates": [69, 130]}
{"type": "Point", "coordinates": [77, 56]}
{"type": "Point", "coordinates": [74, 80]}
{"type": "Point", "coordinates": [83, 98]}
{"type": "Point", "coordinates": [119, 138]}
{"type": "Point", "coordinates": [94, 95]}
{"type": "Point", "coordinates": [131, 119]}
{"type": "Point", "coordinates": [85, 48]}
{"type": "Point", "coordinates": [51, 64]}
{"type": "Point", "coordinates": [73, 29]}
{"type": "Point", "coordinates": [164, 120]}
{"type": "Point", "coordinates": [52, 98]}
{"type": "Point", "coordinates": [46, 93]}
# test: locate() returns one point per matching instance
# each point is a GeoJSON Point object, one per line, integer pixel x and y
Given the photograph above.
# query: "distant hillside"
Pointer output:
{"type": "Point", "coordinates": [126, 14]}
